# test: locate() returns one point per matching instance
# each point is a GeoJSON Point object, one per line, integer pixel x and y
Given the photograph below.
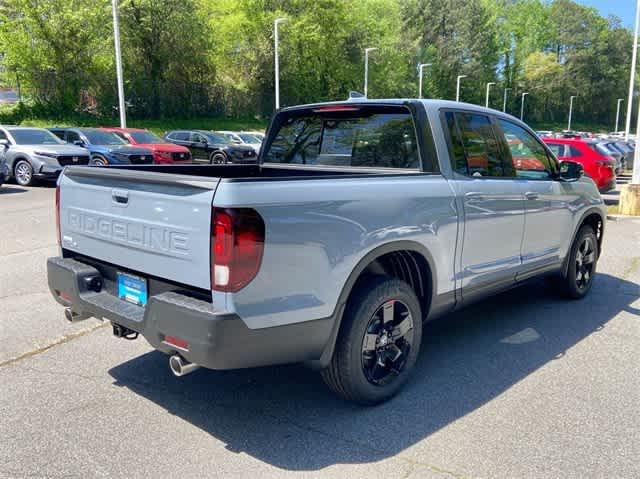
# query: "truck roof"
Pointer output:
{"type": "Point", "coordinates": [429, 104]}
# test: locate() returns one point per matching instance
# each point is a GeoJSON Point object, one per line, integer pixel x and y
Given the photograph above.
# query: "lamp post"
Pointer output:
{"type": "Point", "coordinates": [489, 85]}
{"type": "Point", "coordinates": [116, 41]}
{"type": "Point", "coordinates": [620, 100]}
{"type": "Point", "coordinates": [504, 101]}
{"type": "Point", "coordinates": [460, 77]}
{"type": "Point", "coordinates": [366, 68]}
{"type": "Point", "coordinates": [570, 111]}
{"type": "Point", "coordinates": [522, 106]}
{"type": "Point", "coordinates": [632, 80]}
{"type": "Point", "coordinates": [277, 22]}
{"type": "Point", "coordinates": [420, 70]}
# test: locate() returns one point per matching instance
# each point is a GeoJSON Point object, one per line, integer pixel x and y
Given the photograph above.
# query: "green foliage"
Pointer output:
{"type": "Point", "coordinates": [214, 58]}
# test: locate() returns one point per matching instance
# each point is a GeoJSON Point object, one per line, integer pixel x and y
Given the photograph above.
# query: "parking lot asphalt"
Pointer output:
{"type": "Point", "coordinates": [522, 385]}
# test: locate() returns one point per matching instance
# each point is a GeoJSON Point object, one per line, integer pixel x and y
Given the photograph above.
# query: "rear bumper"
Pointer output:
{"type": "Point", "coordinates": [608, 185]}
{"type": "Point", "coordinates": [216, 340]}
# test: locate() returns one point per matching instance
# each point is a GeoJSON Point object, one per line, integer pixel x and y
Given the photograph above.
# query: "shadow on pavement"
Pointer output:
{"type": "Point", "coordinates": [285, 416]}
{"type": "Point", "coordinates": [11, 189]}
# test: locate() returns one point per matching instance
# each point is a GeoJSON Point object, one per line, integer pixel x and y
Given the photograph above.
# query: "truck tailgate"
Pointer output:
{"type": "Point", "coordinates": [153, 223]}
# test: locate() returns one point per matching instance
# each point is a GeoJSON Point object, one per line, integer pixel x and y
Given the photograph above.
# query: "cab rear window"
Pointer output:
{"type": "Point", "coordinates": [353, 137]}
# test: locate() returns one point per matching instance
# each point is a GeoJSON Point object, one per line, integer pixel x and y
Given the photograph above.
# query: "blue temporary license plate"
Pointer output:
{"type": "Point", "coordinates": [132, 289]}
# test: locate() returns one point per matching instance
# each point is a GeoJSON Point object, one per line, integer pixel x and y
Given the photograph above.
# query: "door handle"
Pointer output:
{"type": "Point", "coordinates": [531, 195]}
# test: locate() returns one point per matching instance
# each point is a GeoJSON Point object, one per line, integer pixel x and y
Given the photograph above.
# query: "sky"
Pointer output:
{"type": "Point", "coordinates": [624, 9]}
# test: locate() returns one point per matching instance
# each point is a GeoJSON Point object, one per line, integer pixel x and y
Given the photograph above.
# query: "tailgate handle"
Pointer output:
{"type": "Point", "coordinates": [120, 197]}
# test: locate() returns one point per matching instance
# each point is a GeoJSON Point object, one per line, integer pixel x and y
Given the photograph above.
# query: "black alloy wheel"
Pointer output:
{"type": "Point", "coordinates": [387, 342]}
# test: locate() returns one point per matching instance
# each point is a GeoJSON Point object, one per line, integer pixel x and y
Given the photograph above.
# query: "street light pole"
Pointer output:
{"type": "Point", "coordinates": [489, 85]}
{"type": "Point", "coordinates": [276, 22]}
{"type": "Point", "coordinates": [420, 70]}
{"type": "Point", "coordinates": [460, 77]}
{"type": "Point", "coordinates": [570, 111]}
{"type": "Point", "coordinates": [366, 69]}
{"type": "Point", "coordinates": [632, 80]}
{"type": "Point", "coordinates": [504, 101]}
{"type": "Point", "coordinates": [620, 100]}
{"type": "Point", "coordinates": [116, 41]}
{"type": "Point", "coordinates": [522, 106]}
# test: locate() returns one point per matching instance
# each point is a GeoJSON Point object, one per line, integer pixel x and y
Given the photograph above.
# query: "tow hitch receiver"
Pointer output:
{"type": "Point", "coordinates": [124, 333]}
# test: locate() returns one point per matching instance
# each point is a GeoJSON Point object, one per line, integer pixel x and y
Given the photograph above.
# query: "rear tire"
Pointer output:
{"type": "Point", "coordinates": [23, 173]}
{"type": "Point", "coordinates": [583, 258]}
{"type": "Point", "coordinates": [218, 158]}
{"type": "Point", "coordinates": [372, 361]}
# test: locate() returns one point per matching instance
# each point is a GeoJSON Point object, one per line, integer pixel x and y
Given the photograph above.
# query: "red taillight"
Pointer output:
{"type": "Point", "coordinates": [237, 243]}
{"type": "Point", "coordinates": [335, 108]}
{"type": "Point", "coordinates": [58, 215]}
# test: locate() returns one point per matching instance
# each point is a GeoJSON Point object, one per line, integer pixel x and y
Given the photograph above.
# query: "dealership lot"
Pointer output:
{"type": "Point", "coordinates": [523, 385]}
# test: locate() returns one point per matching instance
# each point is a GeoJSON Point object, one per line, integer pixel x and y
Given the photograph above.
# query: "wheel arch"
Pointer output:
{"type": "Point", "coordinates": [594, 218]}
{"type": "Point", "coordinates": [414, 264]}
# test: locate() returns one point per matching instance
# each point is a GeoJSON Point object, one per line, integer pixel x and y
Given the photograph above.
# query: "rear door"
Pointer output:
{"type": "Point", "coordinates": [548, 203]}
{"type": "Point", "coordinates": [198, 147]}
{"type": "Point", "coordinates": [493, 204]}
{"type": "Point", "coordinates": [154, 224]}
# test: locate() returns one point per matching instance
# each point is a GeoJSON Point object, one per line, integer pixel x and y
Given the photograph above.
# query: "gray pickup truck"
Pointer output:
{"type": "Point", "coordinates": [362, 220]}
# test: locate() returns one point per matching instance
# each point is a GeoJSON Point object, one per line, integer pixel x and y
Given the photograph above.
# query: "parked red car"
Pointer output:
{"type": "Point", "coordinates": [163, 151]}
{"type": "Point", "coordinates": [600, 168]}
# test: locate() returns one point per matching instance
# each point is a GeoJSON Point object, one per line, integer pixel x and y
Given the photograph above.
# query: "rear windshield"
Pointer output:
{"type": "Point", "coordinates": [383, 138]}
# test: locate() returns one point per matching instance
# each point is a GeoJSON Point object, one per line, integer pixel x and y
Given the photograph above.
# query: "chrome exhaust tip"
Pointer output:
{"type": "Point", "coordinates": [180, 366]}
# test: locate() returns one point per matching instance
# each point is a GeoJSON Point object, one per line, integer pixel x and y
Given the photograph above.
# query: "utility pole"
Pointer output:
{"type": "Point", "coordinates": [277, 22]}
{"type": "Point", "coordinates": [504, 101]}
{"type": "Point", "coordinates": [460, 77]}
{"type": "Point", "coordinates": [522, 106]}
{"type": "Point", "coordinates": [116, 40]}
{"type": "Point", "coordinates": [489, 85]}
{"type": "Point", "coordinates": [620, 100]}
{"type": "Point", "coordinates": [366, 69]}
{"type": "Point", "coordinates": [420, 69]}
{"type": "Point", "coordinates": [570, 111]}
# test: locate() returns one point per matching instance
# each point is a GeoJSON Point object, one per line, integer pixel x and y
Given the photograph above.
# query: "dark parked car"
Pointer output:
{"type": "Point", "coordinates": [209, 147]}
{"type": "Point", "coordinates": [106, 147]}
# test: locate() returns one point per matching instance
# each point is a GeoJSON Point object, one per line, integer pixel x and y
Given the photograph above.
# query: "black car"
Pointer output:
{"type": "Point", "coordinates": [209, 147]}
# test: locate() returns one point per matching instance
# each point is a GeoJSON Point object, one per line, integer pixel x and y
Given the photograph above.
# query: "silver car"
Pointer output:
{"type": "Point", "coordinates": [35, 153]}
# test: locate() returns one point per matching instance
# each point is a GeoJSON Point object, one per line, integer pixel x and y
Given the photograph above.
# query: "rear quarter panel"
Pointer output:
{"type": "Point", "coordinates": [318, 230]}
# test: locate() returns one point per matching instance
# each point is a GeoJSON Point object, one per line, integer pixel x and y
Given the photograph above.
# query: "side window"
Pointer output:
{"type": "Point", "coordinates": [573, 151]}
{"type": "Point", "coordinates": [196, 138]}
{"type": "Point", "coordinates": [557, 149]}
{"type": "Point", "coordinates": [474, 145]}
{"type": "Point", "coordinates": [457, 150]}
{"type": "Point", "coordinates": [58, 133]}
{"type": "Point", "coordinates": [3, 136]}
{"type": "Point", "coordinates": [179, 135]}
{"type": "Point", "coordinates": [528, 156]}
{"type": "Point", "coordinates": [72, 136]}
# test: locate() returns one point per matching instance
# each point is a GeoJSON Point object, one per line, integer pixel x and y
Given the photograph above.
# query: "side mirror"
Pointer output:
{"type": "Point", "coordinates": [571, 171]}
{"type": "Point", "coordinates": [4, 143]}
{"type": "Point", "coordinates": [78, 142]}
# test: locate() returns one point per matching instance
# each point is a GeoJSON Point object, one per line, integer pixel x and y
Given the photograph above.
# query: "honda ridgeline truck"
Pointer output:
{"type": "Point", "coordinates": [363, 219]}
